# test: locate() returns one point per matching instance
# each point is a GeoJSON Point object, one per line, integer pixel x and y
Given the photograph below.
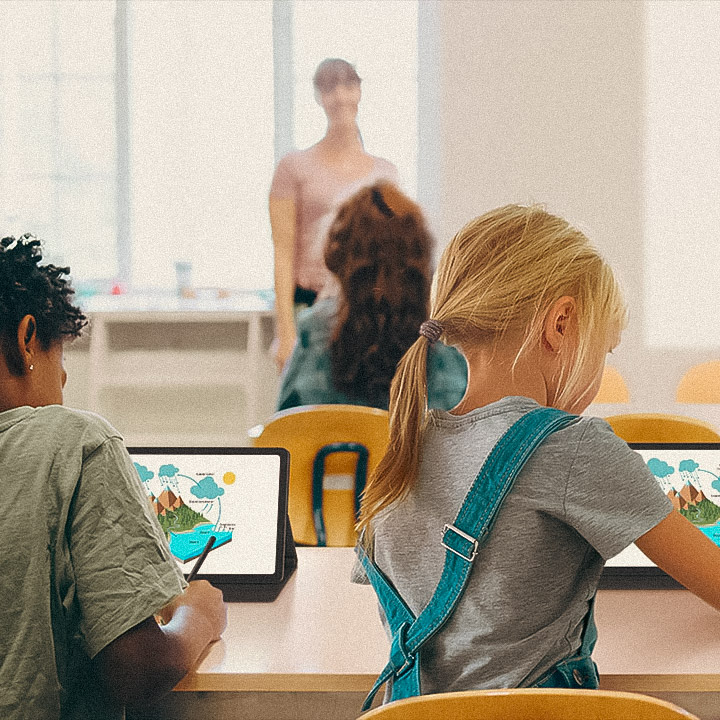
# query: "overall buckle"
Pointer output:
{"type": "Point", "coordinates": [472, 542]}
{"type": "Point", "coordinates": [401, 659]}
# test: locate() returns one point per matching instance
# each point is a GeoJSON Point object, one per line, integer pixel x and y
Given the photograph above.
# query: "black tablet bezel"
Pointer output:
{"type": "Point", "coordinates": [622, 577]}
{"type": "Point", "coordinates": [231, 579]}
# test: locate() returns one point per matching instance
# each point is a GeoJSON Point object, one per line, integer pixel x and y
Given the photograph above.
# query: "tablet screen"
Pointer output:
{"type": "Point", "coordinates": [689, 474]}
{"type": "Point", "coordinates": [233, 495]}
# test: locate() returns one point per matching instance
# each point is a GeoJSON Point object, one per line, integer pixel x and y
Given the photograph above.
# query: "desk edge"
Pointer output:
{"type": "Point", "coordinates": [319, 682]}
{"type": "Point", "coordinates": [275, 682]}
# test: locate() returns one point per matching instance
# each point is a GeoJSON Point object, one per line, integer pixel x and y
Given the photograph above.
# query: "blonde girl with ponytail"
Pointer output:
{"type": "Point", "coordinates": [534, 309]}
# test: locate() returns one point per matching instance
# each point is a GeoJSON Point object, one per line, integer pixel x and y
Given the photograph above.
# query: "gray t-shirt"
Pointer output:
{"type": "Point", "coordinates": [581, 498]}
{"type": "Point", "coordinates": [83, 560]}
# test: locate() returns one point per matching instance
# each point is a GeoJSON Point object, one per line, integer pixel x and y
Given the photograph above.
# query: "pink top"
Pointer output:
{"type": "Point", "coordinates": [317, 192]}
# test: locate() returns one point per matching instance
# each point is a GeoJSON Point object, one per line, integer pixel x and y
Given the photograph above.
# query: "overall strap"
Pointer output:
{"type": "Point", "coordinates": [589, 633]}
{"type": "Point", "coordinates": [396, 611]}
{"type": "Point", "coordinates": [461, 541]}
{"type": "Point", "coordinates": [399, 617]}
{"type": "Point", "coordinates": [578, 671]}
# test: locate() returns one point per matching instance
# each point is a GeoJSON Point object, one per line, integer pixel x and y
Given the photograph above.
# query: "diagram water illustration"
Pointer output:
{"type": "Point", "coordinates": [693, 490]}
{"type": "Point", "coordinates": [189, 509]}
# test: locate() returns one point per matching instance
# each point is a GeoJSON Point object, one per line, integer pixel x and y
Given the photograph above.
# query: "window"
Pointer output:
{"type": "Point", "coordinates": [57, 130]}
{"type": "Point", "coordinates": [137, 134]}
{"type": "Point", "coordinates": [201, 159]}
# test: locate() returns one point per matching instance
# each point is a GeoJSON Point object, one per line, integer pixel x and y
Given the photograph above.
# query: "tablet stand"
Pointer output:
{"type": "Point", "coordinates": [265, 592]}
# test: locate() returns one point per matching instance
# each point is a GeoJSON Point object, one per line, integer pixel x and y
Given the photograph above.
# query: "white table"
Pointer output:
{"type": "Point", "coordinates": [316, 650]}
{"type": "Point", "coordinates": [114, 367]}
{"type": "Point", "coordinates": [324, 634]}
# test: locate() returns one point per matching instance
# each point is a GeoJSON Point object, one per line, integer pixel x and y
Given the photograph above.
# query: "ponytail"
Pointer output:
{"type": "Point", "coordinates": [397, 471]}
{"type": "Point", "coordinates": [499, 273]}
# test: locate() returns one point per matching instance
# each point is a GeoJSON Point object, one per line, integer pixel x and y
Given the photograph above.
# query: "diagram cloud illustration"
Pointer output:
{"type": "Point", "coordinates": [659, 468]}
{"type": "Point", "coordinates": [143, 472]}
{"type": "Point", "coordinates": [207, 489]}
{"type": "Point", "coordinates": [688, 466]}
{"type": "Point", "coordinates": [168, 471]}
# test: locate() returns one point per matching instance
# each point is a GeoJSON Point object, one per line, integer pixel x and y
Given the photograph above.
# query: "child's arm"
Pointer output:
{"type": "Point", "coordinates": [686, 554]}
{"type": "Point", "coordinates": [148, 660]}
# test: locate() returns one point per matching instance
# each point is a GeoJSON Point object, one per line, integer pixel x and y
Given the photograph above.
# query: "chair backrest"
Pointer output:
{"type": "Point", "coordinates": [612, 387]}
{"type": "Point", "coordinates": [700, 384]}
{"type": "Point", "coordinates": [530, 704]}
{"type": "Point", "coordinates": [660, 428]}
{"type": "Point", "coordinates": [305, 431]}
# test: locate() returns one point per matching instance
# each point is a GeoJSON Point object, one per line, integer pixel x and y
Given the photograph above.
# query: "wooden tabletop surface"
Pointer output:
{"type": "Point", "coordinates": [323, 633]}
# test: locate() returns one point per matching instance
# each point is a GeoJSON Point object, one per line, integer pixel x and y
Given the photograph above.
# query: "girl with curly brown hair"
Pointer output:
{"type": "Point", "coordinates": [379, 251]}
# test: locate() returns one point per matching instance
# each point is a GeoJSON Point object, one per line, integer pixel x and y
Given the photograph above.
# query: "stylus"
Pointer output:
{"type": "Point", "coordinates": [201, 559]}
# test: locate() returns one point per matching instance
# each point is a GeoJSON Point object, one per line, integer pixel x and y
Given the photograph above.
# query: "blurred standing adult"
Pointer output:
{"type": "Point", "coordinates": [307, 187]}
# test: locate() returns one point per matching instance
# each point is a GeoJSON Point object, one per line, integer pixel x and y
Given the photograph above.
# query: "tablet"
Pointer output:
{"type": "Point", "coordinates": [238, 496]}
{"type": "Point", "coordinates": [689, 474]}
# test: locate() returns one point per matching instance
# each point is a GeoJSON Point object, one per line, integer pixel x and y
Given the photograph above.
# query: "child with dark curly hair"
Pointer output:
{"type": "Point", "coordinates": [379, 250]}
{"type": "Point", "coordinates": [84, 565]}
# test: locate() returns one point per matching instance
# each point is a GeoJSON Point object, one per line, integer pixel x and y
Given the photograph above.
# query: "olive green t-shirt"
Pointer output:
{"type": "Point", "coordinates": [82, 560]}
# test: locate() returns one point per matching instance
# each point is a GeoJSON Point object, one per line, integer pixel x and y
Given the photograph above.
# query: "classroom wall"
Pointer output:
{"type": "Point", "coordinates": [545, 102]}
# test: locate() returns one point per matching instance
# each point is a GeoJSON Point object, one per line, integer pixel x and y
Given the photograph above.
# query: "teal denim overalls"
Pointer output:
{"type": "Point", "coordinates": [461, 541]}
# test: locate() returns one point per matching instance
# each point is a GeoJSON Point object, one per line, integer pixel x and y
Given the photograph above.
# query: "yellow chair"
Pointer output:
{"type": "Point", "coordinates": [612, 388]}
{"type": "Point", "coordinates": [530, 704]}
{"type": "Point", "coordinates": [660, 428]}
{"type": "Point", "coordinates": [337, 442]}
{"type": "Point", "coordinates": [700, 384]}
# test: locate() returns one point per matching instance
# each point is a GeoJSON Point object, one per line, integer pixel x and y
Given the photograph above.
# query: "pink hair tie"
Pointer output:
{"type": "Point", "coordinates": [432, 330]}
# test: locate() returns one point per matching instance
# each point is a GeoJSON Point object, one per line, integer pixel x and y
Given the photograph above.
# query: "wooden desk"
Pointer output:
{"type": "Point", "coordinates": [324, 634]}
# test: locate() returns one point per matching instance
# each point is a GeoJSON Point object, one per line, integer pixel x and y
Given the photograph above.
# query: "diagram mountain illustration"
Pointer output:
{"type": "Point", "coordinates": [188, 509]}
{"type": "Point", "coordinates": [693, 490]}
{"type": "Point", "coordinates": [166, 501]}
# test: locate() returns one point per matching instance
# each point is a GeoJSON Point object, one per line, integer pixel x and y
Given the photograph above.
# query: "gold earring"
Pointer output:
{"type": "Point", "coordinates": [32, 367]}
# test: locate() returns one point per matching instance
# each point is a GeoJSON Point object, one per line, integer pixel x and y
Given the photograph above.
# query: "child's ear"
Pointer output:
{"type": "Point", "coordinates": [557, 323]}
{"type": "Point", "coordinates": [26, 340]}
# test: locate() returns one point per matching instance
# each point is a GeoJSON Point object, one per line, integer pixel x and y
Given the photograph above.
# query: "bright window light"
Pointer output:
{"type": "Point", "coordinates": [57, 130]}
{"type": "Point", "coordinates": [201, 119]}
{"type": "Point", "coordinates": [198, 102]}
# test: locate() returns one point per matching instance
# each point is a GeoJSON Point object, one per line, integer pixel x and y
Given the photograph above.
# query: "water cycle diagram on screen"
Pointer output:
{"type": "Point", "coordinates": [189, 507]}
{"type": "Point", "coordinates": [693, 486]}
